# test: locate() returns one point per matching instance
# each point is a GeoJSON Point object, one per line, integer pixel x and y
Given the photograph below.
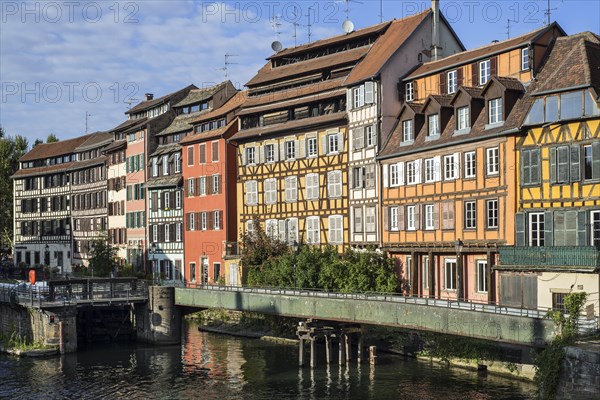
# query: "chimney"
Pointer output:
{"type": "Point", "coordinates": [149, 96]}
{"type": "Point", "coordinates": [435, 30]}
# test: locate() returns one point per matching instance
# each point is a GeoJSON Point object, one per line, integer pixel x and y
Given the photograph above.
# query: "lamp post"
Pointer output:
{"type": "Point", "coordinates": [294, 247]}
{"type": "Point", "coordinates": [459, 247]}
{"type": "Point", "coordinates": [153, 251]}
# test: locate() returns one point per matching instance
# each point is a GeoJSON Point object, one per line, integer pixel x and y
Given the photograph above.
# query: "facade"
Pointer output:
{"type": "Point", "coordinates": [449, 182]}
{"type": "Point", "coordinates": [165, 182]}
{"type": "Point", "coordinates": [209, 170]}
{"type": "Point", "coordinates": [42, 205]}
{"type": "Point", "coordinates": [116, 196]}
{"type": "Point", "coordinates": [557, 224]}
{"type": "Point", "coordinates": [89, 196]}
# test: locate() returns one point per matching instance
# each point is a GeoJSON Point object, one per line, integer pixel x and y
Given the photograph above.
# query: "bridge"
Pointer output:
{"type": "Point", "coordinates": [476, 320]}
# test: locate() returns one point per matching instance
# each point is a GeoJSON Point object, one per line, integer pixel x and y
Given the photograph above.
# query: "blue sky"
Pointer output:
{"type": "Point", "coordinates": [60, 60]}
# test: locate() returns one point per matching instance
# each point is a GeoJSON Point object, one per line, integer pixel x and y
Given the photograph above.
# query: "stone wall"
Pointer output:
{"type": "Point", "coordinates": [159, 321]}
{"type": "Point", "coordinates": [580, 373]}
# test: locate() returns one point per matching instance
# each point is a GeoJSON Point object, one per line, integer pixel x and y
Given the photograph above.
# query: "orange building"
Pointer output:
{"type": "Point", "coordinates": [449, 177]}
{"type": "Point", "coordinates": [209, 173]}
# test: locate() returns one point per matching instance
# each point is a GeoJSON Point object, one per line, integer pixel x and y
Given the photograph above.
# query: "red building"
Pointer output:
{"type": "Point", "coordinates": [209, 175]}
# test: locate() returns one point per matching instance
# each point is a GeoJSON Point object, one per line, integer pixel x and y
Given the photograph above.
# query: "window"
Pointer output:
{"type": "Point", "coordinates": [530, 166]}
{"type": "Point", "coordinates": [413, 172]}
{"type": "Point", "coordinates": [203, 221]}
{"type": "Point", "coordinates": [202, 186]}
{"type": "Point", "coordinates": [251, 193]}
{"type": "Point", "coordinates": [271, 229]}
{"type": "Point", "coordinates": [290, 150]}
{"type": "Point", "coordinates": [525, 59]}
{"type": "Point", "coordinates": [167, 233]}
{"type": "Point", "coordinates": [332, 143]}
{"type": "Point", "coordinates": [393, 218]}
{"type": "Point", "coordinates": [408, 269]}
{"type": "Point", "coordinates": [430, 169]}
{"type": "Point", "coordinates": [311, 146]}
{"type": "Point", "coordinates": [536, 229]}
{"type": "Point", "coordinates": [192, 272]}
{"type": "Point", "coordinates": [216, 184]}
{"type": "Point", "coordinates": [167, 197]}
{"type": "Point", "coordinates": [410, 91]}
{"type": "Point", "coordinates": [250, 227]}
{"type": "Point", "coordinates": [484, 72]}
{"type": "Point", "coordinates": [250, 155]}
{"type": "Point", "coordinates": [291, 189]}
{"type": "Point", "coordinates": [270, 191]}
{"type": "Point", "coordinates": [491, 212]}
{"type": "Point", "coordinates": [190, 187]}
{"type": "Point", "coordinates": [433, 127]}
{"type": "Point", "coordinates": [178, 232]}
{"type": "Point", "coordinates": [408, 131]}
{"type": "Point", "coordinates": [358, 220]}
{"type": "Point", "coordinates": [495, 111]}
{"type": "Point", "coordinates": [493, 161]}
{"type": "Point", "coordinates": [357, 177]}
{"type": "Point", "coordinates": [411, 218]}
{"type": "Point", "coordinates": [595, 228]}
{"type": "Point", "coordinates": [190, 156]}
{"type": "Point", "coordinates": [589, 172]}
{"type": "Point", "coordinates": [215, 151]}
{"type": "Point", "coordinates": [560, 164]}
{"type": "Point", "coordinates": [358, 138]}
{"type": "Point", "coordinates": [177, 163]}
{"type": "Point", "coordinates": [312, 186]}
{"type": "Point", "coordinates": [462, 118]}
{"type": "Point", "coordinates": [202, 153]}
{"type": "Point", "coordinates": [336, 229]}
{"type": "Point", "coordinates": [429, 216]}
{"type": "Point", "coordinates": [451, 167]}
{"type": "Point", "coordinates": [270, 152]}
{"type": "Point", "coordinates": [565, 228]}
{"type": "Point", "coordinates": [558, 301]}
{"type": "Point", "coordinates": [155, 166]}
{"type": "Point", "coordinates": [452, 82]}
{"type": "Point", "coordinates": [370, 136]}
{"type": "Point", "coordinates": [217, 220]}
{"type": "Point", "coordinates": [370, 220]}
{"type": "Point", "coordinates": [370, 176]}
{"type": "Point", "coordinates": [470, 164]}
{"type": "Point", "coordinates": [425, 272]}
{"type": "Point", "coordinates": [334, 184]}
{"type": "Point", "coordinates": [192, 221]}
{"type": "Point", "coordinates": [482, 276]}
{"type": "Point", "coordinates": [313, 233]}
{"type": "Point", "coordinates": [450, 274]}
{"type": "Point", "coordinates": [154, 233]}
{"type": "Point", "coordinates": [470, 215]}
{"type": "Point", "coordinates": [358, 96]}
{"type": "Point", "coordinates": [395, 175]}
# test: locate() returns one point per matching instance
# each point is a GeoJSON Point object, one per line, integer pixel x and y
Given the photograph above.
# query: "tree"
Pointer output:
{"type": "Point", "coordinates": [52, 138]}
{"type": "Point", "coordinates": [37, 141]}
{"type": "Point", "coordinates": [103, 259]}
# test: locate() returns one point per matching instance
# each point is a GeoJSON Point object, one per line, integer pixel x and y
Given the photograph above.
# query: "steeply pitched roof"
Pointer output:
{"type": "Point", "coordinates": [166, 149]}
{"type": "Point", "coordinates": [198, 95]}
{"type": "Point", "coordinates": [50, 169]}
{"type": "Point", "coordinates": [180, 123]}
{"type": "Point", "coordinates": [116, 145]}
{"type": "Point", "coordinates": [212, 134]}
{"type": "Point", "coordinates": [381, 51]}
{"type": "Point", "coordinates": [232, 104]}
{"type": "Point", "coordinates": [469, 56]}
{"type": "Point", "coordinates": [573, 61]}
{"type": "Point", "coordinates": [46, 150]}
{"type": "Point", "coordinates": [95, 140]}
{"type": "Point", "coordinates": [145, 105]}
{"type": "Point", "coordinates": [127, 124]}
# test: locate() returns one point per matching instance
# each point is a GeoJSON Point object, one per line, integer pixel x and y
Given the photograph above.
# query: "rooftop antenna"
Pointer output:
{"type": "Point", "coordinates": [309, 25]}
{"type": "Point", "coordinates": [353, 1]}
{"type": "Point", "coordinates": [548, 13]}
{"type": "Point", "coordinates": [380, 10]}
{"type": "Point", "coordinates": [508, 21]}
{"type": "Point", "coordinates": [228, 63]}
{"type": "Point", "coordinates": [295, 29]}
{"type": "Point", "coordinates": [130, 101]}
{"type": "Point", "coordinates": [276, 25]}
{"type": "Point", "coordinates": [86, 121]}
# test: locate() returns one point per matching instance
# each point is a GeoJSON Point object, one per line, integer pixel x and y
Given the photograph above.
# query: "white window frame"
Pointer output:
{"type": "Point", "coordinates": [250, 155]}
{"type": "Point", "coordinates": [165, 167]}
{"type": "Point", "coordinates": [393, 218]}
{"type": "Point", "coordinates": [272, 228]}
{"type": "Point", "coordinates": [470, 164]}
{"type": "Point", "coordinates": [154, 166]}
{"type": "Point", "coordinates": [270, 190]}
{"type": "Point", "coordinates": [462, 114]}
{"type": "Point", "coordinates": [536, 218]}
{"type": "Point", "coordinates": [215, 184]}
{"type": "Point", "coordinates": [450, 273]}
{"type": "Point", "coordinates": [203, 221]}
{"type": "Point", "coordinates": [452, 81]}
{"type": "Point", "coordinates": [450, 167]}
{"type": "Point", "coordinates": [409, 91]}
{"type": "Point", "coordinates": [290, 150]}
{"type": "Point", "coordinates": [433, 125]}
{"type": "Point", "coordinates": [594, 233]}
{"type": "Point", "coordinates": [525, 59]}
{"type": "Point", "coordinates": [411, 212]}
{"type": "Point", "coordinates": [333, 143]}
{"type": "Point", "coordinates": [269, 152]}
{"type": "Point", "coordinates": [495, 111]}
{"type": "Point", "coordinates": [155, 233]}
{"type": "Point", "coordinates": [370, 136]}
{"type": "Point", "coordinates": [470, 210]}
{"type": "Point", "coordinates": [192, 221]}
{"type": "Point", "coordinates": [408, 133]}
{"type": "Point", "coordinates": [429, 217]}
{"type": "Point", "coordinates": [334, 185]}
{"type": "Point", "coordinates": [202, 186]}
{"type": "Point", "coordinates": [167, 233]}
{"type": "Point", "coordinates": [430, 174]}
{"type": "Point", "coordinates": [312, 148]}
{"type": "Point", "coordinates": [313, 230]}
{"type": "Point", "coordinates": [177, 163]}
{"type": "Point", "coordinates": [492, 156]}
{"type": "Point", "coordinates": [312, 187]}
{"type": "Point", "coordinates": [217, 220]}
{"type": "Point", "coordinates": [167, 201]}
{"type": "Point", "coordinates": [394, 175]}
{"type": "Point", "coordinates": [481, 269]}
{"type": "Point", "coordinates": [291, 189]}
{"type": "Point", "coordinates": [411, 173]}
{"type": "Point", "coordinates": [178, 232]}
{"type": "Point", "coordinates": [336, 229]}
{"type": "Point", "coordinates": [485, 71]}
{"type": "Point", "coordinates": [251, 189]}
{"type": "Point", "coordinates": [425, 262]}
{"type": "Point", "coordinates": [358, 95]}
{"type": "Point", "coordinates": [492, 213]}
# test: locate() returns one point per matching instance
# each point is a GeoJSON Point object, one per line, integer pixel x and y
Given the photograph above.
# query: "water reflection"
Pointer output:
{"type": "Point", "coordinates": [208, 366]}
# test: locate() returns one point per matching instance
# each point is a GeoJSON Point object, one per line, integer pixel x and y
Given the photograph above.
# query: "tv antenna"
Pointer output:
{"type": "Point", "coordinates": [508, 21]}
{"type": "Point", "coordinates": [295, 23]}
{"type": "Point", "coordinates": [129, 101]}
{"type": "Point", "coordinates": [227, 63]}
{"type": "Point", "coordinates": [348, 6]}
{"type": "Point", "coordinates": [276, 25]}
{"type": "Point", "coordinates": [309, 25]}
{"type": "Point", "coordinates": [380, 10]}
{"type": "Point", "coordinates": [86, 121]}
{"type": "Point", "coordinates": [548, 12]}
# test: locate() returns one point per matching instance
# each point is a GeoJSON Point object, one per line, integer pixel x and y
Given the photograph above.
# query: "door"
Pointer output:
{"type": "Point", "coordinates": [205, 271]}
{"type": "Point", "coordinates": [233, 275]}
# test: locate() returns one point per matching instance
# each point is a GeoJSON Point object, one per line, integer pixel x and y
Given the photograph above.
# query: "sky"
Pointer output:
{"type": "Point", "coordinates": [61, 61]}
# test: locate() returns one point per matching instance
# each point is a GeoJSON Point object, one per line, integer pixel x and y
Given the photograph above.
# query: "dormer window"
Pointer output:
{"type": "Point", "coordinates": [462, 118]}
{"type": "Point", "coordinates": [408, 134]}
{"type": "Point", "coordinates": [433, 125]}
{"type": "Point", "coordinates": [525, 59]}
{"type": "Point", "coordinates": [155, 166]}
{"type": "Point", "coordinates": [452, 82]}
{"type": "Point", "coordinates": [410, 91]}
{"type": "Point", "coordinates": [495, 111]}
{"type": "Point", "coordinates": [484, 72]}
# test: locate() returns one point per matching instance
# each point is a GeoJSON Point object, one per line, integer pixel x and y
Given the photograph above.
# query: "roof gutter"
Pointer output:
{"type": "Point", "coordinates": [560, 90]}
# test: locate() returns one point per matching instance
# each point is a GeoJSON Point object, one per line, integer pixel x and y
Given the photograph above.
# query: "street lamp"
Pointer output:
{"type": "Point", "coordinates": [153, 251]}
{"type": "Point", "coordinates": [459, 247]}
{"type": "Point", "coordinates": [295, 248]}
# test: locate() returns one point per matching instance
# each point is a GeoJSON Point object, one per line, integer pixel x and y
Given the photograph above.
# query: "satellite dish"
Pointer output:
{"type": "Point", "coordinates": [348, 26]}
{"type": "Point", "coordinates": [276, 46]}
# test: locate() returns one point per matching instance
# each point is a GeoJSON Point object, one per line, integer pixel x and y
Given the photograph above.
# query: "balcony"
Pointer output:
{"type": "Point", "coordinates": [567, 258]}
{"type": "Point", "coordinates": [231, 250]}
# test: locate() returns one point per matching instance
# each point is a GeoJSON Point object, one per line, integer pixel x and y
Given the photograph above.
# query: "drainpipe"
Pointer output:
{"type": "Point", "coordinates": [435, 30]}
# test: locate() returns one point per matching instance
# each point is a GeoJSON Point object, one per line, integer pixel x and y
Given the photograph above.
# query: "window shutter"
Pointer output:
{"type": "Point", "coordinates": [415, 92]}
{"type": "Point", "coordinates": [350, 99]}
{"type": "Point", "coordinates": [209, 185]}
{"type": "Point", "coordinates": [525, 161]}
{"type": "Point", "coordinates": [172, 228]}
{"type": "Point", "coordinates": [340, 141]}
{"type": "Point", "coordinates": [459, 76]}
{"type": "Point", "coordinates": [261, 154]}
{"type": "Point", "coordinates": [553, 165]}
{"type": "Point", "coordinates": [161, 233]}
{"type": "Point", "coordinates": [582, 231]}
{"type": "Point", "coordinates": [358, 138]}
{"type": "Point", "coordinates": [386, 182]}
{"type": "Point", "coordinates": [401, 173]}
{"type": "Point", "coordinates": [172, 200]}
{"type": "Point", "coordinates": [187, 221]}
{"type": "Point", "coordinates": [302, 147]}
{"type": "Point", "coordinates": [324, 144]}
{"type": "Point", "coordinates": [220, 182]}
{"type": "Point", "coordinates": [437, 168]}
{"type": "Point", "coordinates": [243, 151]}
{"type": "Point", "coordinates": [296, 149]}
{"type": "Point", "coordinates": [282, 232]}
{"type": "Point", "coordinates": [386, 218]}
{"type": "Point", "coordinates": [563, 163]}
{"type": "Point", "coordinates": [186, 185]}
{"type": "Point", "coordinates": [596, 160]}
{"type": "Point", "coordinates": [369, 92]}
{"type": "Point", "coordinates": [222, 225]}
{"type": "Point", "coordinates": [520, 229]}
{"type": "Point", "coordinates": [548, 229]}
{"type": "Point", "coordinates": [276, 151]}
{"type": "Point", "coordinates": [154, 201]}
{"type": "Point", "coordinates": [197, 187]}
{"type": "Point", "coordinates": [493, 66]}
{"type": "Point", "coordinates": [436, 216]}
{"type": "Point", "coordinates": [575, 163]}
{"type": "Point", "coordinates": [351, 179]}
{"type": "Point", "coordinates": [282, 150]}
{"type": "Point", "coordinates": [474, 74]}
{"type": "Point", "coordinates": [443, 83]}
{"type": "Point", "coordinates": [418, 216]}
{"type": "Point", "coordinates": [401, 225]}
{"type": "Point", "coordinates": [418, 173]}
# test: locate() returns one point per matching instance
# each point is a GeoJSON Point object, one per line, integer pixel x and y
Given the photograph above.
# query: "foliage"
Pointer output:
{"type": "Point", "coordinates": [52, 138]}
{"type": "Point", "coordinates": [37, 141]}
{"type": "Point", "coordinates": [103, 259]}
{"type": "Point", "coordinates": [446, 347]}
{"type": "Point", "coordinates": [260, 247]}
{"type": "Point", "coordinates": [548, 362]}
{"type": "Point", "coordinates": [11, 149]}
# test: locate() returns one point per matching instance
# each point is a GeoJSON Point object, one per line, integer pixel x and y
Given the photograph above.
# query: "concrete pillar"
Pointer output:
{"type": "Point", "coordinates": [342, 340]}
{"type": "Point", "coordinates": [328, 348]}
{"type": "Point", "coordinates": [301, 353]}
{"type": "Point", "coordinates": [313, 353]}
{"type": "Point", "coordinates": [159, 321]}
{"type": "Point", "coordinates": [372, 355]}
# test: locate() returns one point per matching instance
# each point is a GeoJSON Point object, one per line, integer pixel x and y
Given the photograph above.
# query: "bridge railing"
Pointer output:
{"type": "Point", "coordinates": [586, 324]}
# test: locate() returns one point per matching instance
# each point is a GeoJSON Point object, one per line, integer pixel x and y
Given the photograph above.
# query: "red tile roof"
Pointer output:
{"type": "Point", "coordinates": [46, 150]}
{"type": "Point", "coordinates": [200, 137]}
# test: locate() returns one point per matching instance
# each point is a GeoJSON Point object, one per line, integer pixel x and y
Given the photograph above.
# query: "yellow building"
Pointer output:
{"type": "Point", "coordinates": [557, 225]}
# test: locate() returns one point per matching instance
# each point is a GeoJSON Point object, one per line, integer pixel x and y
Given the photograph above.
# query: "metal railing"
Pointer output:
{"type": "Point", "coordinates": [560, 256]}
{"type": "Point", "coordinates": [586, 324]}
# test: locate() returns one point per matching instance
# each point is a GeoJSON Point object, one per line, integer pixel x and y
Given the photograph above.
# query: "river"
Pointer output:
{"type": "Point", "coordinates": [210, 366]}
